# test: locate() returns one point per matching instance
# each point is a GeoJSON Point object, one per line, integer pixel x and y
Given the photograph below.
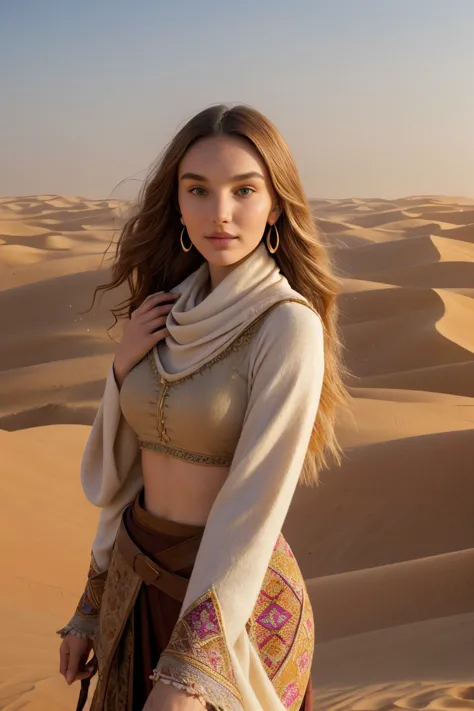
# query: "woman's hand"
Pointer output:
{"type": "Point", "coordinates": [166, 697]}
{"type": "Point", "coordinates": [73, 655]}
{"type": "Point", "coordinates": [143, 331]}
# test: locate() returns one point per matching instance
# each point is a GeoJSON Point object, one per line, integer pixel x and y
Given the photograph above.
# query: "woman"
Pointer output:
{"type": "Point", "coordinates": [220, 399]}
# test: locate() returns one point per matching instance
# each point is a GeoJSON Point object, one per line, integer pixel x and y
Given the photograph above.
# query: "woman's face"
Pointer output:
{"type": "Point", "coordinates": [224, 187]}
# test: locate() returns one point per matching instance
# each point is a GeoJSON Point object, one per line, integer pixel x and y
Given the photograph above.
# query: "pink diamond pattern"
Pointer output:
{"type": "Point", "coordinates": [274, 617]}
{"type": "Point", "coordinates": [203, 620]}
{"type": "Point", "coordinates": [303, 661]}
{"type": "Point", "coordinates": [290, 693]}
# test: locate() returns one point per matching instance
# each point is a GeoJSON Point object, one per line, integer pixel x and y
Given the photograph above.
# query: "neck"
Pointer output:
{"type": "Point", "coordinates": [218, 273]}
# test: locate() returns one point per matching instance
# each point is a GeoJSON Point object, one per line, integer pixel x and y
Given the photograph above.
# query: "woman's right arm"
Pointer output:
{"type": "Point", "coordinates": [111, 476]}
{"type": "Point", "coordinates": [111, 473]}
{"type": "Point", "coordinates": [117, 478]}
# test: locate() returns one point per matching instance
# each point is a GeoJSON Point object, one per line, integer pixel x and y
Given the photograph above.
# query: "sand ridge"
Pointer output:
{"type": "Point", "coordinates": [386, 542]}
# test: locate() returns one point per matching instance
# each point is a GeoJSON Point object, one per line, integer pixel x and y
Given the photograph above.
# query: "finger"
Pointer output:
{"type": "Point", "coordinates": [155, 337]}
{"type": "Point", "coordinates": [151, 301]}
{"type": "Point", "coordinates": [160, 335]}
{"type": "Point", "coordinates": [63, 660]}
{"type": "Point", "coordinates": [84, 674]}
{"type": "Point", "coordinates": [158, 322]}
{"type": "Point", "coordinates": [161, 310]}
{"type": "Point", "coordinates": [72, 669]}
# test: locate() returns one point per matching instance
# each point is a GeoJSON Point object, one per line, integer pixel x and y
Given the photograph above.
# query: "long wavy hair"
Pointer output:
{"type": "Point", "coordinates": [149, 256]}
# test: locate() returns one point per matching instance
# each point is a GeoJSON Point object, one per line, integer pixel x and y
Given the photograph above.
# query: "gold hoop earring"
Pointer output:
{"type": "Point", "coordinates": [272, 249]}
{"type": "Point", "coordinates": [185, 249]}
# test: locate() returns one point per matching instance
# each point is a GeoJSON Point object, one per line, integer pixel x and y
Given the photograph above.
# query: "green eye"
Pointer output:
{"type": "Point", "coordinates": [203, 192]}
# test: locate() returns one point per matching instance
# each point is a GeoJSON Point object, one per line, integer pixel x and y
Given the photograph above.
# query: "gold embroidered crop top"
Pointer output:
{"type": "Point", "coordinates": [199, 417]}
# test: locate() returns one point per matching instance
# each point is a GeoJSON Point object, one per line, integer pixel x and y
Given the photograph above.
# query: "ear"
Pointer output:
{"type": "Point", "coordinates": [274, 214]}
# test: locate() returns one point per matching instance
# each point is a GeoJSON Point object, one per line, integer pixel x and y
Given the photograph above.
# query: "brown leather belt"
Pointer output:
{"type": "Point", "coordinates": [160, 572]}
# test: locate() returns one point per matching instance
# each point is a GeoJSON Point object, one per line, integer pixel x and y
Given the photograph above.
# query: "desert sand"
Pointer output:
{"type": "Point", "coordinates": [386, 542]}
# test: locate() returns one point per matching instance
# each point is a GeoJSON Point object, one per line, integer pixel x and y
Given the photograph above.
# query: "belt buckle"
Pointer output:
{"type": "Point", "coordinates": [143, 559]}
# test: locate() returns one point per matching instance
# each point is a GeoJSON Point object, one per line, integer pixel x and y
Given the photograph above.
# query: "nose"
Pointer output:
{"type": "Point", "coordinates": [222, 210]}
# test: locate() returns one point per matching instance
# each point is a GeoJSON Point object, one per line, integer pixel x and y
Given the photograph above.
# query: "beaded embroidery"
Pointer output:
{"type": "Point", "coordinates": [242, 339]}
{"type": "Point", "coordinates": [216, 460]}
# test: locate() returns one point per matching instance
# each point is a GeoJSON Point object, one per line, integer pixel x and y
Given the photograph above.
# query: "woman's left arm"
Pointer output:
{"type": "Point", "coordinates": [205, 654]}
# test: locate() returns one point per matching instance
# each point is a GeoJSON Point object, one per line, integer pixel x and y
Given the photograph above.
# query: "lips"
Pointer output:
{"type": "Point", "coordinates": [221, 235]}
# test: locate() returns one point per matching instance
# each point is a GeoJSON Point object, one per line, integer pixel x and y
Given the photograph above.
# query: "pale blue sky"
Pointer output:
{"type": "Point", "coordinates": [375, 97]}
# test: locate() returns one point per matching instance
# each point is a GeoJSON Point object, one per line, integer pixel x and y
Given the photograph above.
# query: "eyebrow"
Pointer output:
{"type": "Point", "coordinates": [234, 179]}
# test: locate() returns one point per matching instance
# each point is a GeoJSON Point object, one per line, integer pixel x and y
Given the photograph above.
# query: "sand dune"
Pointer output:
{"type": "Point", "coordinates": [456, 378]}
{"type": "Point", "coordinates": [414, 334]}
{"type": "Point", "coordinates": [464, 233]}
{"type": "Point", "coordinates": [393, 501]}
{"type": "Point", "coordinates": [386, 542]}
{"type": "Point", "coordinates": [383, 420]}
{"type": "Point", "coordinates": [423, 665]}
{"type": "Point", "coordinates": [402, 257]}
{"type": "Point", "coordinates": [39, 467]}
{"type": "Point", "coordinates": [392, 595]}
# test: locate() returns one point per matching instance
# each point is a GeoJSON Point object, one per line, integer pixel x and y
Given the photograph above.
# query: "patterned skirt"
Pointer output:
{"type": "Point", "coordinates": [137, 620]}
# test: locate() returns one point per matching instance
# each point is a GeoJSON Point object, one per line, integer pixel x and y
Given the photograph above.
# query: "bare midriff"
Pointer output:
{"type": "Point", "coordinates": [180, 491]}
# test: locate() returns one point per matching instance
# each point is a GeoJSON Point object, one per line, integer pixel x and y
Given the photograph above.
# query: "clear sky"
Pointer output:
{"type": "Point", "coordinates": [375, 97]}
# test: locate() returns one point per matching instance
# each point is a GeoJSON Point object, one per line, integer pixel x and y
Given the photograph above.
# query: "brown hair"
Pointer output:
{"type": "Point", "coordinates": [149, 256]}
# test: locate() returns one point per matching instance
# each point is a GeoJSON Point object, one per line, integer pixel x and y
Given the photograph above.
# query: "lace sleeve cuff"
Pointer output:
{"type": "Point", "coordinates": [85, 620]}
{"type": "Point", "coordinates": [81, 626]}
{"type": "Point", "coordinates": [188, 689]}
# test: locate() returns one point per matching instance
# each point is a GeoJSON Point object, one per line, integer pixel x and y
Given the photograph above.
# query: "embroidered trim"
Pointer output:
{"type": "Point", "coordinates": [192, 692]}
{"type": "Point", "coordinates": [114, 643]}
{"type": "Point", "coordinates": [216, 460]}
{"type": "Point", "coordinates": [241, 340]}
{"type": "Point", "coordinates": [281, 627]}
{"type": "Point", "coordinates": [160, 411]}
{"type": "Point", "coordinates": [197, 655]}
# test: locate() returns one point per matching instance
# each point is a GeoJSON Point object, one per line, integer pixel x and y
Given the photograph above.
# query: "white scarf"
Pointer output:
{"type": "Point", "coordinates": [201, 326]}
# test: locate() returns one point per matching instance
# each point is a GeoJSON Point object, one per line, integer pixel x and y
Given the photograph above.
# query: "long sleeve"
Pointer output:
{"type": "Point", "coordinates": [211, 653]}
{"type": "Point", "coordinates": [111, 475]}
{"type": "Point", "coordinates": [111, 471]}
